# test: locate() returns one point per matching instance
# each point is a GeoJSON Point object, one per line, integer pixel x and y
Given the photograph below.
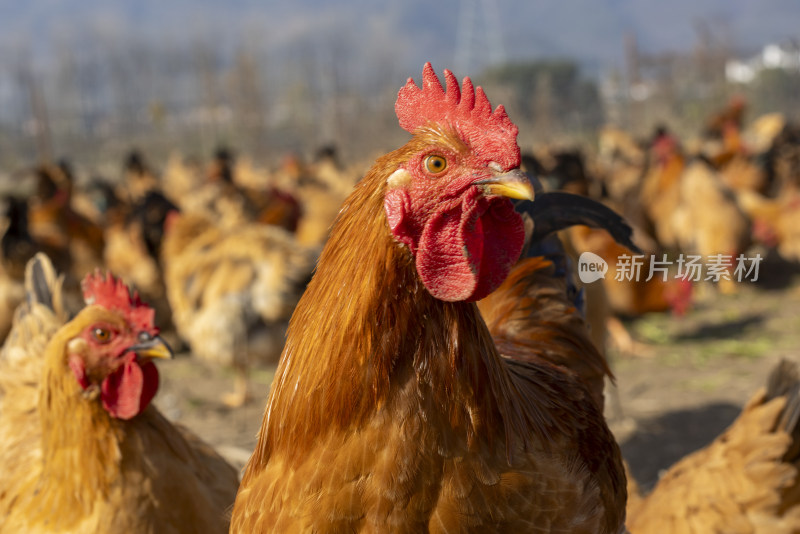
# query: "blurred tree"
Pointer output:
{"type": "Point", "coordinates": [247, 90]}
{"type": "Point", "coordinates": [775, 90]}
{"type": "Point", "coordinates": [549, 93]}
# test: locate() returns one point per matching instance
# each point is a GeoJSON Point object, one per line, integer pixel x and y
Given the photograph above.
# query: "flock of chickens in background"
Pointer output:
{"type": "Point", "coordinates": [223, 254]}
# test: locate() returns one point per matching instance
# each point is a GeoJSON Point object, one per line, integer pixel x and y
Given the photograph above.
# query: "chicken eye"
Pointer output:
{"type": "Point", "coordinates": [435, 164]}
{"type": "Point", "coordinates": [102, 335]}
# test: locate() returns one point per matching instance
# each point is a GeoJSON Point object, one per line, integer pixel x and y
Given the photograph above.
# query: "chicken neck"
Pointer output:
{"type": "Point", "coordinates": [80, 441]}
{"type": "Point", "coordinates": [367, 329]}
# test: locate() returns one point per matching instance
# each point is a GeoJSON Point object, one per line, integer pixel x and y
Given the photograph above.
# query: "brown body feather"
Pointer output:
{"type": "Point", "coordinates": [745, 482]}
{"type": "Point", "coordinates": [392, 411]}
{"type": "Point", "coordinates": [531, 318]}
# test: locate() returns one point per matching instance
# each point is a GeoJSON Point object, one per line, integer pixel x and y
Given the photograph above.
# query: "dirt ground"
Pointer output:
{"type": "Point", "coordinates": [701, 369]}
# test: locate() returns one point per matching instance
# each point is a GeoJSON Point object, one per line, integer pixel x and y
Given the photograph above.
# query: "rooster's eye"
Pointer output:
{"type": "Point", "coordinates": [435, 164]}
{"type": "Point", "coordinates": [102, 335]}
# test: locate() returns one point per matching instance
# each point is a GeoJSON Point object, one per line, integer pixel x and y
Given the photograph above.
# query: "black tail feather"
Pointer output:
{"type": "Point", "coordinates": [556, 211]}
{"type": "Point", "coordinates": [42, 284]}
{"type": "Point", "coordinates": [39, 284]}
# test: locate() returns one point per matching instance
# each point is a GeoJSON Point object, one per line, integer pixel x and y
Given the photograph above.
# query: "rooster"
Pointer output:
{"type": "Point", "coordinates": [83, 450]}
{"type": "Point", "coordinates": [393, 408]}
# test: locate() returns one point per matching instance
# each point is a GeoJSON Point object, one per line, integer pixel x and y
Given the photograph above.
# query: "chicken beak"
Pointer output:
{"type": "Point", "coordinates": [152, 348]}
{"type": "Point", "coordinates": [511, 184]}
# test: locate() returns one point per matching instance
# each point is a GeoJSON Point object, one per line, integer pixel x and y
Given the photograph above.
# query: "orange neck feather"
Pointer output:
{"type": "Point", "coordinates": [80, 441]}
{"type": "Point", "coordinates": [366, 327]}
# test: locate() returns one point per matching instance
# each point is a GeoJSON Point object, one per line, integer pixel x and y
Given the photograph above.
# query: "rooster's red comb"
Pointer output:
{"type": "Point", "coordinates": [468, 109]}
{"type": "Point", "coordinates": [112, 293]}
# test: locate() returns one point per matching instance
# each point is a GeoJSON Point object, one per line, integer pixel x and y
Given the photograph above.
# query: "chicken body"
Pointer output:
{"type": "Point", "coordinates": [68, 464]}
{"type": "Point", "coordinates": [435, 455]}
{"type": "Point", "coordinates": [691, 207]}
{"type": "Point", "coordinates": [745, 482]}
{"type": "Point", "coordinates": [709, 220]}
{"type": "Point", "coordinates": [393, 409]}
{"type": "Point", "coordinates": [56, 226]}
{"type": "Point", "coordinates": [232, 290]}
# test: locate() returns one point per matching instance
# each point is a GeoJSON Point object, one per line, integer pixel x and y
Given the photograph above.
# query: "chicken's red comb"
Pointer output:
{"type": "Point", "coordinates": [467, 109]}
{"type": "Point", "coordinates": [112, 293]}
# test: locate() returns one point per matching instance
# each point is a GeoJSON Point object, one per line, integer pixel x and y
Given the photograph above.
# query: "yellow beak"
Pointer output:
{"type": "Point", "coordinates": [512, 184]}
{"type": "Point", "coordinates": [152, 348]}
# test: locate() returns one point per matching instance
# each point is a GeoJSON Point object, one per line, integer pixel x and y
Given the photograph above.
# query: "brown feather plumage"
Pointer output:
{"type": "Point", "coordinates": [745, 482]}
{"type": "Point", "coordinates": [232, 290]}
{"type": "Point", "coordinates": [68, 466]}
{"type": "Point", "coordinates": [395, 411]}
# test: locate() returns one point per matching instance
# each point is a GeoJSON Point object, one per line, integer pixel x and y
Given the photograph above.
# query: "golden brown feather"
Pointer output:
{"type": "Point", "coordinates": [745, 482]}
{"type": "Point", "coordinates": [232, 290]}
{"type": "Point", "coordinates": [392, 410]}
{"type": "Point", "coordinates": [67, 464]}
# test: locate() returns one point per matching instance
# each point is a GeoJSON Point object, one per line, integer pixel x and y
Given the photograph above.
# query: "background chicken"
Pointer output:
{"type": "Point", "coordinates": [232, 290]}
{"type": "Point", "coordinates": [62, 231]}
{"type": "Point", "coordinates": [745, 481]}
{"type": "Point", "coordinates": [133, 236]}
{"type": "Point", "coordinates": [621, 164]}
{"type": "Point", "coordinates": [138, 178]}
{"type": "Point", "coordinates": [773, 208]}
{"type": "Point", "coordinates": [220, 194]}
{"type": "Point", "coordinates": [128, 249]}
{"type": "Point", "coordinates": [17, 247]}
{"type": "Point", "coordinates": [322, 189]}
{"type": "Point", "coordinates": [690, 207]}
{"type": "Point", "coordinates": [709, 220]}
{"type": "Point", "coordinates": [392, 407]}
{"type": "Point", "coordinates": [615, 297]}
{"type": "Point", "coordinates": [83, 449]}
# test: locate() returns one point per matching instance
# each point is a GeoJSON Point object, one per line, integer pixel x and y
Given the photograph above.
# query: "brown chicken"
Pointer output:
{"type": "Point", "coordinates": [322, 189]}
{"type": "Point", "coordinates": [529, 315]}
{"type": "Point", "coordinates": [776, 222]}
{"type": "Point", "coordinates": [57, 227]}
{"type": "Point", "coordinates": [723, 133]}
{"type": "Point", "coordinates": [660, 193]}
{"type": "Point", "coordinates": [745, 482]}
{"type": "Point", "coordinates": [232, 290]}
{"type": "Point", "coordinates": [615, 296]}
{"type": "Point", "coordinates": [137, 178]}
{"type": "Point", "coordinates": [393, 409]}
{"type": "Point", "coordinates": [220, 196]}
{"type": "Point", "coordinates": [709, 218]}
{"type": "Point", "coordinates": [126, 254]}
{"type": "Point", "coordinates": [265, 203]}
{"type": "Point", "coordinates": [692, 209]}
{"type": "Point", "coordinates": [11, 294]}
{"type": "Point", "coordinates": [83, 450]}
{"type": "Point", "coordinates": [17, 247]}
